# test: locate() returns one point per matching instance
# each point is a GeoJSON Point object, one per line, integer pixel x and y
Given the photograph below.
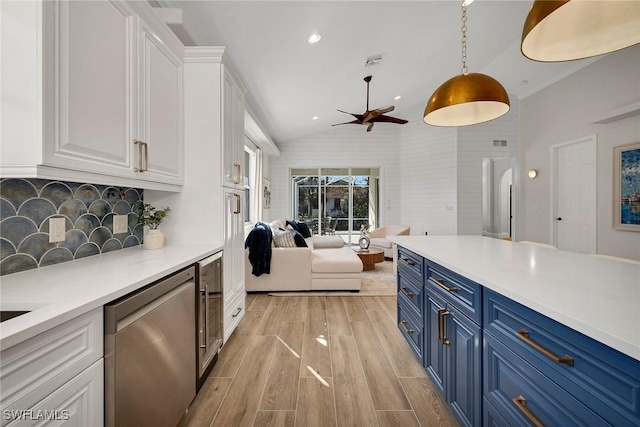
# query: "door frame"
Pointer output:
{"type": "Point", "coordinates": [553, 192]}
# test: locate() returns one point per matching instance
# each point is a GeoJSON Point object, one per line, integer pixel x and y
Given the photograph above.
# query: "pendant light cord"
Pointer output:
{"type": "Point", "coordinates": [465, 70]}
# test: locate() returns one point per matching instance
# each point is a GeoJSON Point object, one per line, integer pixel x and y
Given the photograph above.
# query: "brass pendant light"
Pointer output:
{"type": "Point", "coordinates": [469, 98]}
{"type": "Point", "coordinates": [575, 29]}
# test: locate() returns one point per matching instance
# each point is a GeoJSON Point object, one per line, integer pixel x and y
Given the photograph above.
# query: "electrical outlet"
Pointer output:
{"type": "Point", "coordinates": [57, 228]}
{"type": "Point", "coordinates": [120, 224]}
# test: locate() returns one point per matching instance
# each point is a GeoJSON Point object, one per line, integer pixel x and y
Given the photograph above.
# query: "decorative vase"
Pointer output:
{"type": "Point", "coordinates": [153, 239]}
{"type": "Point", "coordinates": [364, 241]}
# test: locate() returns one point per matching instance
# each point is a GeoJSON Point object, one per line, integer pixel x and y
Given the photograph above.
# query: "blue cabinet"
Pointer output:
{"type": "Point", "coordinates": [439, 314]}
{"type": "Point", "coordinates": [499, 363]}
{"type": "Point", "coordinates": [452, 355]}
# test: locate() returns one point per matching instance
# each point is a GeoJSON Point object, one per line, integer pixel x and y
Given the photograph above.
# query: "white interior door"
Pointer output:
{"type": "Point", "coordinates": [574, 195]}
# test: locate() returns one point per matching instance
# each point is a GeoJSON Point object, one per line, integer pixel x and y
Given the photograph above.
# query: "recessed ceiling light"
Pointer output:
{"type": "Point", "coordinates": [397, 97]}
{"type": "Point", "coordinates": [315, 118]}
{"type": "Point", "coordinates": [314, 38]}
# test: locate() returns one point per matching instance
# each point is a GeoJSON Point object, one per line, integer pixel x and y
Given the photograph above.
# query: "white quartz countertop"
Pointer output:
{"type": "Point", "coordinates": [597, 297]}
{"type": "Point", "coordinates": [63, 291]}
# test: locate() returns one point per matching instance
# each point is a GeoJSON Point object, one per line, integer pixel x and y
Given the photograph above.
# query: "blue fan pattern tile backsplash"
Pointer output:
{"type": "Point", "coordinates": [26, 205]}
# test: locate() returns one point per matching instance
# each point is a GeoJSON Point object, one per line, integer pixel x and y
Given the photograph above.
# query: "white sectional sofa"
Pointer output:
{"type": "Point", "coordinates": [326, 264]}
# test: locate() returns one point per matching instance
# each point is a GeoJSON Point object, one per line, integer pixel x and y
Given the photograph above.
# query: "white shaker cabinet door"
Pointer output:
{"type": "Point", "coordinates": [161, 109]}
{"type": "Point", "coordinates": [90, 82]}
{"type": "Point", "coordinates": [233, 260]}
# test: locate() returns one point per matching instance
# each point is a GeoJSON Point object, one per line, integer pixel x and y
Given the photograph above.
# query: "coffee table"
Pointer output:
{"type": "Point", "coordinates": [370, 257]}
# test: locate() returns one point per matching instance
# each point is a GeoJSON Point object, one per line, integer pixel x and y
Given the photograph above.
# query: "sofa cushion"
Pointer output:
{"type": "Point", "coordinates": [283, 239]}
{"type": "Point", "coordinates": [297, 237]}
{"type": "Point", "coordinates": [322, 242]}
{"type": "Point", "coordinates": [343, 260]}
{"type": "Point", "coordinates": [380, 242]}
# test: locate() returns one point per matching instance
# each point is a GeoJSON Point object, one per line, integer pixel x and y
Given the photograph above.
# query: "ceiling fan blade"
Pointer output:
{"type": "Point", "coordinates": [355, 122]}
{"type": "Point", "coordinates": [369, 127]}
{"type": "Point", "coordinates": [357, 116]}
{"type": "Point", "coordinates": [388, 119]}
{"type": "Point", "coordinates": [370, 115]}
{"type": "Point", "coordinates": [385, 110]}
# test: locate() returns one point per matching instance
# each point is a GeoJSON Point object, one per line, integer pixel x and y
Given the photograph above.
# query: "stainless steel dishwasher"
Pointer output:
{"type": "Point", "coordinates": [150, 354]}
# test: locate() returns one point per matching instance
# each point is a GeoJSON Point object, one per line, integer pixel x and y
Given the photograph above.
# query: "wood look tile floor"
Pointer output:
{"type": "Point", "coordinates": [318, 361]}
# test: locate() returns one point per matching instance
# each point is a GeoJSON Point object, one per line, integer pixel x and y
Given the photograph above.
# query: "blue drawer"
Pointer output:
{"type": "Point", "coordinates": [464, 294]}
{"type": "Point", "coordinates": [604, 379]}
{"type": "Point", "coordinates": [411, 264]}
{"type": "Point", "coordinates": [411, 328]}
{"type": "Point", "coordinates": [520, 395]}
{"type": "Point", "coordinates": [412, 291]}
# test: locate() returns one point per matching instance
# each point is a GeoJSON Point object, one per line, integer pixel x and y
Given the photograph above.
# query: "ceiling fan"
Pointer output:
{"type": "Point", "coordinates": [371, 116]}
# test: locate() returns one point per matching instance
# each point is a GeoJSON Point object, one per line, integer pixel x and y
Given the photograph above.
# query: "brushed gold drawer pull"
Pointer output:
{"type": "Point", "coordinates": [238, 204]}
{"type": "Point", "coordinates": [236, 178]}
{"type": "Point", "coordinates": [406, 328]}
{"type": "Point", "coordinates": [523, 334]}
{"type": "Point", "coordinates": [441, 283]}
{"type": "Point", "coordinates": [406, 292]}
{"type": "Point", "coordinates": [408, 261]}
{"type": "Point", "coordinates": [139, 168]}
{"type": "Point", "coordinates": [442, 335]}
{"type": "Point", "coordinates": [521, 404]}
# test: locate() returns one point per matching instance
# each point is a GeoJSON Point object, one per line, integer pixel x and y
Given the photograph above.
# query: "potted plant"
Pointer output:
{"type": "Point", "coordinates": [151, 217]}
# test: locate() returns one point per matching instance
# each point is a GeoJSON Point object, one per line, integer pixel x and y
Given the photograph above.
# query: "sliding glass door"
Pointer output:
{"type": "Point", "coordinates": [335, 201]}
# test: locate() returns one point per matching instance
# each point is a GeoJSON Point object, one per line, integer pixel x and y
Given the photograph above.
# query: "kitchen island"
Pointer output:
{"type": "Point", "coordinates": [512, 333]}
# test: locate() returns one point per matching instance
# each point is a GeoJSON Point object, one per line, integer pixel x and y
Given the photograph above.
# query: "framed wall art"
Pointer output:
{"type": "Point", "coordinates": [266, 193]}
{"type": "Point", "coordinates": [626, 187]}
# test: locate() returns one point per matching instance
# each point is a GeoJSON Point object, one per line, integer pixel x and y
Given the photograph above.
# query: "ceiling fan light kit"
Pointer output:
{"type": "Point", "coordinates": [576, 29]}
{"type": "Point", "coordinates": [466, 99]}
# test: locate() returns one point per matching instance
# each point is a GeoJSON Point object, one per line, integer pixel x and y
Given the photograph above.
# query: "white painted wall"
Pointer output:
{"type": "Point", "coordinates": [474, 143]}
{"type": "Point", "coordinates": [342, 146]}
{"type": "Point", "coordinates": [566, 111]}
{"type": "Point", "coordinates": [428, 177]}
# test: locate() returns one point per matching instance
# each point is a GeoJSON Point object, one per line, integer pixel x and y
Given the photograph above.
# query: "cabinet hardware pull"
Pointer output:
{"type": "Point", "coordinates": [406, 328]}
{"type": "Point", "coordinates": [139, 144]}
{"type": "Point", "coordinates": [238, 204]}
{"type": "Point", "coordinates": [523, 334]}
{"type": "Point", "coordinates": [408, 262]}
{"type": "Point", "coordinates": [407, 293]}
{"type": "Point", "coordinates": [146, 157]}
{"type": "Point", "coordinates": [236, 179]}
{"type": "Point", "coordinates": [441, 332]}
{"type": "Point", "coordinates": [238, 313]}
{"type": "Point", "coordinates": [441, 283]}
{"type": "Point", "coordinates": [521, 404]}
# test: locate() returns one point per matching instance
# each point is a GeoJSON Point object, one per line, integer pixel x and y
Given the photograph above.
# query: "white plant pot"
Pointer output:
{"type": "Point", "coordinates": [153, 239]}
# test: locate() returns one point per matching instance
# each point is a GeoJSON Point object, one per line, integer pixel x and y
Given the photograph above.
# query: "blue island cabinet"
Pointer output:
{"type": "Point", "coordinates": [442, 310]}
{"type": "Point", "coordinates": [499, 363]}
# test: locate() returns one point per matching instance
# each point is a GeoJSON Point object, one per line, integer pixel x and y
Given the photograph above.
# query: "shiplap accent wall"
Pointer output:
{"type": "Point", "coordinates": [474, 143]}
{"type": "Point", "coordinates": [428, 176]}
{"type": "Point", "coordinates": [342, 146]}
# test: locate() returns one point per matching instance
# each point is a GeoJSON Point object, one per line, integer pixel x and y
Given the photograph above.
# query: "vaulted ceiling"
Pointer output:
{"type": "Point", "coordinates": [290, 81]}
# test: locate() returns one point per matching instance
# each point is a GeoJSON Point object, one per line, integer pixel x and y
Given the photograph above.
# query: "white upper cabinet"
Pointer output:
{"type": "Point", "coordinates": [232, 129]}
{"type": "Point", "coordinates": [89, 122]}
{"type": "Point", "coordinates": [161, 109]}
{"type": "Point", "coordinates": [104, 75]}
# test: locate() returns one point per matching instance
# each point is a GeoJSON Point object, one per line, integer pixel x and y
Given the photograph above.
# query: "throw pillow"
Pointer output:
{"type": "Point", "coordinates": [304, 230]}
{"type": "Point", "coordinates": [297, 237]}
{"type": "Point", "coordinates": [283, 239]}
{"type": "Point", "coordinates": [300, 227]}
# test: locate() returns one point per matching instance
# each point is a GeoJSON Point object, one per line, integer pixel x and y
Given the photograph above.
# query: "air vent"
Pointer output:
{"type": "Point", "coordinates": [373, 60]}
{"type": "Point", "coordinates": [499, 142]}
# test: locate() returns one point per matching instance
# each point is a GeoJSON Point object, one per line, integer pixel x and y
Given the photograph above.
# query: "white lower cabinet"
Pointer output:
{"type": "Point", "coordinates": [56, 376]}
{"type": "Point", "coordinates": [233, 266]}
